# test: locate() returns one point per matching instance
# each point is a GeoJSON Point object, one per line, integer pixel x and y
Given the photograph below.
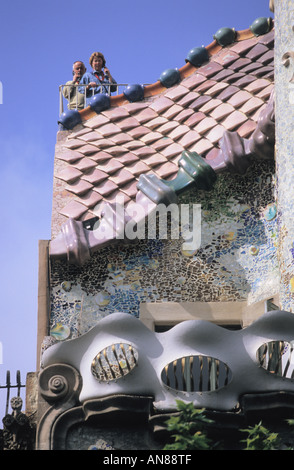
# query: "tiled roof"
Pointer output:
{"type": "Point", "coordinates": [104, 155]}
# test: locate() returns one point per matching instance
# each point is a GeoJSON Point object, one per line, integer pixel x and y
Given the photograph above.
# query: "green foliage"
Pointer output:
{"type": "Point", "coordinates": [260, 438]}
{"type": "Point", "coordinates": [290, 421]}
{"type": "Point", "coordinates": [188, 429]}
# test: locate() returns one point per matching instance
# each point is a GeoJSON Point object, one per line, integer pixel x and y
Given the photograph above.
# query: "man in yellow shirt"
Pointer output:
{"type": "Point", "coordinates": [76, 100]}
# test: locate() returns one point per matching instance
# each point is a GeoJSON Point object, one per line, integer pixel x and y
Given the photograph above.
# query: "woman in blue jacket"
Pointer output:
{"type": "Point", "coordinates": [99, 80]}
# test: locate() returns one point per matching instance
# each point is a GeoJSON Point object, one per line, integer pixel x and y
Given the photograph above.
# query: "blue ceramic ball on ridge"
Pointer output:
{"type": "Point", "coordinates": [169, 77]}
{"type": "Point", "coordinates": [100, 102]}
{"type": "Point", "coordinates": [261, 26]}
{"type": "Point", "coordinates": [197, 56]}
{"type": "Point", "coordinates": [70, 118]}
{"type": "Point", "coordinates": [225, 36]}
{"type": "Point", "coordinates": [134, 92]}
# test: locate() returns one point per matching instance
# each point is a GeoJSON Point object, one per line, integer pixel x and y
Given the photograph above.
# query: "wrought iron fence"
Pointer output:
{"type": "Point", "coordinates": [6, 389]}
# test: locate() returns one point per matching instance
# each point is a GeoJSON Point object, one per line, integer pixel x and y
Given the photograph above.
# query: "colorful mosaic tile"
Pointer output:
{"type": "Point", "coordinates": [236, 261]}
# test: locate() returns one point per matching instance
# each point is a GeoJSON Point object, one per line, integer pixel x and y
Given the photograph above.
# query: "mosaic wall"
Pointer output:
{"type": "Point", "coordinates": [284, 111]}
{"type": "Point", "coordinates": [236, 261]}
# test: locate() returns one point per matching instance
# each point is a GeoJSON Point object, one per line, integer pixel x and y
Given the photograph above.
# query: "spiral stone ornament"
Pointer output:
{"type": "Point", "coordinates": [58, 384]}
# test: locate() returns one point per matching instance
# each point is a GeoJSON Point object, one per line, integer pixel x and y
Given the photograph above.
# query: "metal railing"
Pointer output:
{"type": "Point", "coordinates": [8, 387]}
{"type": "Point", "coordinates": [196, 374]}
{"type": "Point", "coordinates": [63, 101]}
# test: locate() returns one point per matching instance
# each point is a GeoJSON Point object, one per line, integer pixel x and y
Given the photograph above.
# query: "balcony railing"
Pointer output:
{"type": "Point", "coordinates": [63, 102]}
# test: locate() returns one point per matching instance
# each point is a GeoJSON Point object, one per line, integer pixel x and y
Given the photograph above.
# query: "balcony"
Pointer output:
{"type": "Point", "coordinates": [68, 94]}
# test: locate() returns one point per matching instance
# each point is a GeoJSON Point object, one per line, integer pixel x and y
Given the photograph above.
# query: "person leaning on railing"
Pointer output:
{"type": "Point", "coordinates": [70, 92]}
{"type": "Point", "coordinates": [99, 80]}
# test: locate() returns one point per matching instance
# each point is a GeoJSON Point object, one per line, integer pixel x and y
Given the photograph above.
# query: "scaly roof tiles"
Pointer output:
{"type": "Point", "coordinates": [104, 155]}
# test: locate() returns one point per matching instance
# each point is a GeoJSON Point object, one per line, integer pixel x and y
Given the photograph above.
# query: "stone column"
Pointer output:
{"type": "Point", "coordinates": [284, 115]}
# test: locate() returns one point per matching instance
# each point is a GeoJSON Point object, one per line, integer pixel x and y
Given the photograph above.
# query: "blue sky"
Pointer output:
{"type": "Point", "coordinates": [39, 42]}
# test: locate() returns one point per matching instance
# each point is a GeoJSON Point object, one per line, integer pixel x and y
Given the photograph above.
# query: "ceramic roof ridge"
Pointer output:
{"type": "Point", "coordinates": [217, 107]}
{"type": "Point", "coordinates": [185, 71]}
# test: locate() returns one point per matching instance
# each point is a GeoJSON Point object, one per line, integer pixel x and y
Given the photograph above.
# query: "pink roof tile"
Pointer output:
{"type": "Point", "coordinates": [73, 209]}
{"type": "Point", "coordinates": [121, 139]}
{"type": "Point", "coordinates": [151, 137]}
{"type": "Point", "coordinates": [172, 150]}
{"type": "Point", "coordinates": [188, 98]}
{"type": "Point", "coordinates": [176, 92]}
{"type": "Point", "coordinates": [226, 57]}
{"type": "Point", "coordinates": [210, 69]}
{"type": "Point", "coordinates": [194, 81]}
{"type": "Point", "coordinates": [194, 119]}
{"type": "Point", "coordinates": [69, 174]}
{"type": "Point", "coordinates": [95, 176]}
{"type": "Point", "coordinates": [178, 132]}
{"type": "Point", "coordinates": [156, 122]}
{"type": "Point", "coordinates": [73, 144]}
{"type": "Point", "coordinates": [215, 134]}
{"type": "Point", "coordinates": [126, 124]}
{"type": "Point", "coordinates": [202, 146]}
{"type": "Point", "coordinates": [79, 187]}
{"type": "Point", "coordinates": [161, 105]}
{"type": "Point", "coordinates": [88, 149]}
{"type": "Point", "coordinates": [137, 132]}
{"type": "Point", "coordinates": [257, 51]}
{"type": "Point", "coordinates": [216, 88]}
{"type": "Point", "coordinates": [130, 189]}
{"type": "Point", "coordinates": [239, 98]}
{"type": "Point", "coordinates": [111, 166]}
{"type": "Point", "coordinates": [127, 158]}
{"type": "Point", "coordinates": [101, 156]}
{"type": "Point", "coordinates": [210, 105]}
{"type": "Point", "coordinates": [247, 128]}
{"type": "Point", "coordinates": [70, 156]}
{"type": "Point", "coordinates": [257, 85]}
{"type": "Point", "coordinates": [106, 187]}
{"type": "Point", "coordinates": [108, 130]}
{"type": "Point", "coordinates": [251, 105]}
{"type": "Point", "coordinates": [155, 160]}
{"type": "Point", "coordinates": [189, 139]}
{"type": "Point", "coordinates": [173, 111]}
{"type": "Point", "coordinates": [161, 143]}
{"type": "Point", "coordinates": [84, 164]}
{"type": "Point", "coordinates": [134, 107]}
{"type": "Point", "coordinates": [205, 125]}
{"type": "Point", "coordinates": [234, 120]}
{"type": "Point", "coordinates": [183, 115]}
{"type": "Point", "coordinates": [122, 176]}
{"type": "Point", "coordinates": [114, 114]}
{"type": "Point", "coordinates": [167, 127]}
{"type": "Point", "coordinates": [167, 169]}
{"type": "Point", "coordinates": [96, 121]}
{"type": "Point", "coordinates": [138, 167]}
{"type": "Point", "coordinates": [205, 86]}
{"type": "Point", "coordinates": [244, 46]}
{"type": "Point", "coordinates": [221, 111]}
{"type": "Point", "coordinates": [90, 199]}
{"type": "Point", "coordinates": [145, 115]}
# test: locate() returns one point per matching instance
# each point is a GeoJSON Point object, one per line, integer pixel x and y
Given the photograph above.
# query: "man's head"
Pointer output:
{"type": "Point", "coordinates": [78, 68]}
{"type": "Point", "coordinates": [97, 60]}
